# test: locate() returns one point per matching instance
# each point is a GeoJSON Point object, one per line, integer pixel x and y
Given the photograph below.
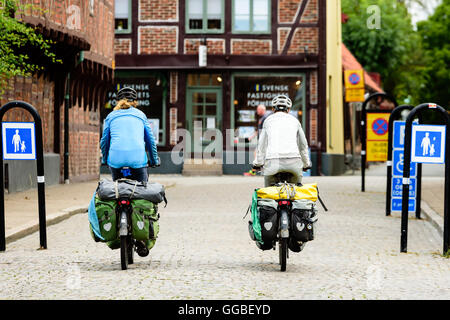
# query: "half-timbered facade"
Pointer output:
{"type": "Point", "coordinates": [255, 49]}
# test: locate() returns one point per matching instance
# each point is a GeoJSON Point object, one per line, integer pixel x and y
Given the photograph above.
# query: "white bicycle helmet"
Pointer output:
{"type": "Point", "coordinates": [281, 103]}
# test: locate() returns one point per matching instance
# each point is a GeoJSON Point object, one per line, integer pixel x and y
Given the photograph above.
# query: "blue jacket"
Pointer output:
{"type": "Point", "coordinates": [126, 135]}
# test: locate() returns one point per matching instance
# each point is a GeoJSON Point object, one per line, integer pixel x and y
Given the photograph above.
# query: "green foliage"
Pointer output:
{"type": "Point", "coordinates": [16, 40]}
{"type": "Point", "coordinates": [435, 36]}
{"type": "Point", "coordinates": [393, 50]}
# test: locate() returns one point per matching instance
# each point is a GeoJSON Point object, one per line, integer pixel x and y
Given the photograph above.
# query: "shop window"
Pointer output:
{"type": "Point", "coordinates": [204, 16]}
{"type": "Point", "coordinates": [251, 16]}
{"type": "Point", "coordinates": [122, 16]}
{"type": "Point", "coordinates": [151, 91]}
{"type": "Point", "coordinates": [249, 91]}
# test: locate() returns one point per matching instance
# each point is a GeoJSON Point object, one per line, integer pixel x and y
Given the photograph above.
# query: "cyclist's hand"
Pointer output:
{"type": "Point", "coordinates": [157, 164]}
{"type": "Point", "coordinates": [256, 168]}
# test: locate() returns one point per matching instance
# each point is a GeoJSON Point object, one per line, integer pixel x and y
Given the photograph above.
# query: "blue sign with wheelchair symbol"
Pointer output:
{"type": "Point", "coordinates": [428, 144]}
{"type": "Point", "coordinates": [19, 141]}
{"type": "Point", "coordinates": [397, 164]}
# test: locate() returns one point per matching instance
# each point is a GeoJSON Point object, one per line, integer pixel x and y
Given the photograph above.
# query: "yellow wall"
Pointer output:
{"type": "Point", "coordinates": [335, 113]}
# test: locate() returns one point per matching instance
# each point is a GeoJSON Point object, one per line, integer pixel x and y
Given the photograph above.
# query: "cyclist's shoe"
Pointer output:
{"type": "Point", "coordinates": [250, 173]}
{"type": "Point", "coordinates": [141, 249]}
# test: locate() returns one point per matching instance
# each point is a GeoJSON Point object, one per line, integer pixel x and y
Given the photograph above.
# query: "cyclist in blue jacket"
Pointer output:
{"type": "Point", "coordinates": [126, 136]}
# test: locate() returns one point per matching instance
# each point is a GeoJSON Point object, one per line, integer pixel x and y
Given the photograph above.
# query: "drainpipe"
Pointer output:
{"type": "Point", "coordinates": [66, 121]}
{"type": "Point", "coordinates": [66, 130]}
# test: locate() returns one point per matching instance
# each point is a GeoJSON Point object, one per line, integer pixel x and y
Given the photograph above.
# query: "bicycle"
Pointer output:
{"type": "Point", "coordinates": [285, 225]}
{"type": "Point", "coordinates": [124, 210]}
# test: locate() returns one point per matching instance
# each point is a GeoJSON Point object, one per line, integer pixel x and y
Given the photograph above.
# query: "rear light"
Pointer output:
{"type": "Point", "coordinates": [124, 202]}
{"type": "Point", "coordinates": [284, 202]}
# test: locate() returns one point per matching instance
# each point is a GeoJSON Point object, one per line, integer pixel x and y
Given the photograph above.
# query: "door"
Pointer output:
{"type": "Point", "coordinates": [203, 116]}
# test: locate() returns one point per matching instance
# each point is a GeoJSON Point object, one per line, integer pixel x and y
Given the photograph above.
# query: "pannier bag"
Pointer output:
{"type": "Point", "coordinates": [103, 220]}
{"type": "Point", "coordinates": [303, 224]}
{"type": "Point", "coordinates": [264, 224]}
{"type": "Point", "coordinates": [263, 227]}
{"type": "Point", "coordinates": [131, 189]}
{"type": "Point", "coordinates": [144, 219]}
{"type": "Point", "coordinates": [305, 192]}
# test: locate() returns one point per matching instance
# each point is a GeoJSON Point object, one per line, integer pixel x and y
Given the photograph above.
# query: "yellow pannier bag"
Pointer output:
{"type": "Point", "coordinates": [307, 191]}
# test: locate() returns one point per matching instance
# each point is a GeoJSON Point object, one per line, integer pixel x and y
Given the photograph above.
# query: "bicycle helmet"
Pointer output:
{"type": "Point", "coordinates": [127, 93]}
{"type": "Point", "coordinates": [281, 103]}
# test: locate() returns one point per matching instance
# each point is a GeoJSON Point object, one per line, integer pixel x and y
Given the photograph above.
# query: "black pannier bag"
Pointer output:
{"type": "Point", "coordinates": [268, 219]}
{"type": "Point", "coordinates": [303, 224]}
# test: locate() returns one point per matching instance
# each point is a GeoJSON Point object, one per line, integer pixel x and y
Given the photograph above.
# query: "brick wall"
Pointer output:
{"type": "Point", "coordinates": [122, 46]}
{"type": "Point", "coordinates": [287, 10]}
{"type": "Point", "coordinates": [173, 87]}
{"type": "Point", "coordinates": [311, 13]}
{"type": "Point", "coordinates": [305, 36]}
{"type": "Point", "coordinates": [84, 143]}
{"type": "Point", "coordinates": [39, 92]}
{"type": "Point", "coordinates": [94, 24]}
{"type": "Point", "coordinates": [158, 40]}
{"type": "Point", "coordinates": [215, 46]}
{"type": "Point", "coordinates": [313, 87]}
{"type": "Point", "coordinates": [158, 10]}
{"type": "Point", "coordinates": [245, 46]}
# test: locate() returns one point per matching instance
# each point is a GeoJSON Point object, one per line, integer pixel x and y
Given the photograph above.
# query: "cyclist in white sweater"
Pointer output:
{"type": "Point", "coordinates": [282, 145]}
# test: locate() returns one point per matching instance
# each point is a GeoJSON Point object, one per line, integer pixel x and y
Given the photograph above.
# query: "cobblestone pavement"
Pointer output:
{"type": "Point", "coordinates": [204, 252]}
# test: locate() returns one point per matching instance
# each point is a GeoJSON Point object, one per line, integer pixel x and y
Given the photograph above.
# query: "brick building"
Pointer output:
{"type": "Point", "coordinates": [67, 96]}
{"type": "Point", "coordinates": [255, 49]}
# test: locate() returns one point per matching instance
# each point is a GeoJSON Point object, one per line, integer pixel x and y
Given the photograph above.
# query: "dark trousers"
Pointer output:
{"type": "Point", "coordinates": [138, 174]}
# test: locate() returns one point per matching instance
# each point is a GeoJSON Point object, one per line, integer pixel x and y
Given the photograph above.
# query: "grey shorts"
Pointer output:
{"type": "Point", "coordinates": [274, 166]}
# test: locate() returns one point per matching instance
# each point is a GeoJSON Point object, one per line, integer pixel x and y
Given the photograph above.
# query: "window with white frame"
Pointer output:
{"type": "Point", "coordinates": [122, 16]}
{"type": "Point", "coordinates": [251, 16]}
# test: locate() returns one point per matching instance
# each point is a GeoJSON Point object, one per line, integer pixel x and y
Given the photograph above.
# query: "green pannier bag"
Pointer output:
{"type": "Point", "coordinates": [106, 214]}
{"type": "Point", "coordinates": [144, 219]}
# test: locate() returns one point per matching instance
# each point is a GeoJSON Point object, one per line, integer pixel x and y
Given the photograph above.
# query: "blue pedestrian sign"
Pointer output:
{"type": "Point", "coordinates": [19, 142]}
{"type": "Point", "coordinates": [428, 144]}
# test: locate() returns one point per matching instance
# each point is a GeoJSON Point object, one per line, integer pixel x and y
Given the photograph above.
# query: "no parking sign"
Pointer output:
{"type": "Point", "coordinates": [377, 136]}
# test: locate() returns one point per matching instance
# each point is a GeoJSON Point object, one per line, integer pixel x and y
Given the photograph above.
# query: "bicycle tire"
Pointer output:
{"type": "Point", "coordinates": [130, 251]}
{"type": "Point", "coordinates": [123, 252]}
{"type": "Point", "coordinates": [282, 248]}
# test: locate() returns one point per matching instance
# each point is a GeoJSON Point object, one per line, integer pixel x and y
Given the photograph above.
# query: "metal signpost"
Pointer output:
{"type": "Point", "coordinates": [379, 127]}
{"type": "Point", "coordinates": [425, 144]}
{"type": "Point", "coordinates": [22, 141]}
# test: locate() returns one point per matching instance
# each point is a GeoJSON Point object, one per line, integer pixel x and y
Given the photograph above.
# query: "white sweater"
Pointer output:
{"type": "Point", "coordinates": [282, 136]}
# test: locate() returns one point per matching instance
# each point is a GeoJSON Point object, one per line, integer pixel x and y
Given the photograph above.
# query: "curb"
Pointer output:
{"type": "Point", "coordinates": [33, 226]}
{"type": "Point", "coordinates": [435, 219]}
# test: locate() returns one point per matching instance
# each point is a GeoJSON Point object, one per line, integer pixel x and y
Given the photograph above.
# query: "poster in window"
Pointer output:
{"type": "Point", "coordinates": [246, 115]}
{"type": "Point", "coordinates": [246, 132]}
{"type": "Point", "coordinates": [154, 124]}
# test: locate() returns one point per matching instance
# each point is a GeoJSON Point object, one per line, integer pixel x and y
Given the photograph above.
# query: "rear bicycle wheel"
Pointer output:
{"type": "Point", "coordinates": [130, 250]}
{"type": "Point", "coordinates": [282, 251]}
{"type": "Point", "coordinates": [124, 252]}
